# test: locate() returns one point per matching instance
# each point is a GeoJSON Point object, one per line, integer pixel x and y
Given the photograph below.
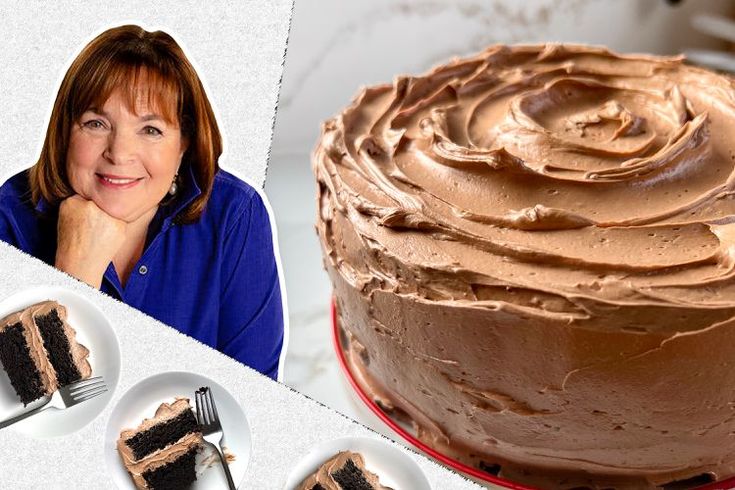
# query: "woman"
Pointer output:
{"type": "Point", "coordinates": [127, 196]}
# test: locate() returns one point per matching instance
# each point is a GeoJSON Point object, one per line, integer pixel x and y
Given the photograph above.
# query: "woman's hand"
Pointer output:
{"type": "Point", "coordinates": [87, 241]}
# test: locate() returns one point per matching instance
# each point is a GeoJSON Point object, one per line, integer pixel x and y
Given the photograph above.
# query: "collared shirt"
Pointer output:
{"type": "Point", "coordinates": [215, 280]}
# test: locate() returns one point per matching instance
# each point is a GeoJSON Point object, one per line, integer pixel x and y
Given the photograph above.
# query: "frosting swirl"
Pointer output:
{"type": "Point", "coordinates": [541, 239]}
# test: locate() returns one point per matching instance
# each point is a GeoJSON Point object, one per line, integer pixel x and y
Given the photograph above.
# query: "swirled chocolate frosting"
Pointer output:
{"type": "Point", "coordinates": [533, 255]}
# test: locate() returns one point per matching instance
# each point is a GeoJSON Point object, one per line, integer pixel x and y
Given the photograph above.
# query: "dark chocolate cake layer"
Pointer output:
{"type": "Point", "coordinates": [351, 477]}
{"type": "Point", "coordinates": [161, 435]}
{"type": "Point", "coordinates": [57, 345]}
{"type": "Point", "coordinates": [177, 474]}
{"type": "Point", "coordinates": [15, 357]}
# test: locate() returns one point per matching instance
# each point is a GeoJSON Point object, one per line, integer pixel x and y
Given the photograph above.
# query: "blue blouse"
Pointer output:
{"type": "Point", "coordinates": [215, 280]}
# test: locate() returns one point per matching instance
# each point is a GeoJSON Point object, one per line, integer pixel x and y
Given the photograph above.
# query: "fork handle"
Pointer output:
{"type": "Point", "coordinates": [222, 458]}
{"type": "Point", "coordinates": [24, 415]}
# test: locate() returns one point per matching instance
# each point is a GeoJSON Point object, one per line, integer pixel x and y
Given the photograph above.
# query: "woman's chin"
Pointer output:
{"type": "Point", "coordinates": [123, 213]}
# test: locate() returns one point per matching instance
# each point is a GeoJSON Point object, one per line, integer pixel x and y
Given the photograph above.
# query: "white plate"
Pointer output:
{"type": "Point", "coordinates": [94, 332]}
{"type": "Point", "coordinates": [142, 400]}
{"type": "Point", "coordinates": [395, 468]}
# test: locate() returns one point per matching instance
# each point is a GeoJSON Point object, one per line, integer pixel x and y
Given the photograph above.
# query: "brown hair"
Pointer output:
{"type": "Point", "coordinates": [120, 58]}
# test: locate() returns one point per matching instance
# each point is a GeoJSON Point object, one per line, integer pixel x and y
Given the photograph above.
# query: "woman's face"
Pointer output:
{"type": "Point", "coordinates": [123, 162]}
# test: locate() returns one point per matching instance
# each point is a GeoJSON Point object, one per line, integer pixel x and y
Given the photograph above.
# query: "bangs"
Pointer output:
{"type": "Point", "coordinates": [139, 85]}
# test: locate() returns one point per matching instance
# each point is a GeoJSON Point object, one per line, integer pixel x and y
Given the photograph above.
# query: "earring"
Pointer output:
{"type": "Point", "coordinates": [174, 187]}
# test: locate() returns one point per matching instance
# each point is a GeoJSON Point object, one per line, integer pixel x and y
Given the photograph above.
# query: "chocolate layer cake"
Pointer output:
{"type": "Point", "coordinates": [532, 253]}
{"type": "Point", "coordinates": [160, 453]}
{"type": "Point", "coordinates": [344, 471]}
{"type": "Point", "coordinates": [39, 351]}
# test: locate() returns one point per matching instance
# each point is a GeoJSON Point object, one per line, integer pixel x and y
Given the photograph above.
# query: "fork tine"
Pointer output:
{"type": "Point", "coordinates": [90, 395]}
{"type": "Point", "coordinates": [87, 381]}
{"type": "Point", "coordinates": [84, 383]}
{"type": "Point", "coordinates": [78, 389]}
{"type": "Point", "coordinates": [87, 389]}
{"type": "Point", "coordinates": [205, 408]}
{"type": "Point", "coordinates": [197, 396]}
{"type": "Point", "coordinates": [209, 405]}
{"type": "Point", "coordinates": [214, 406]}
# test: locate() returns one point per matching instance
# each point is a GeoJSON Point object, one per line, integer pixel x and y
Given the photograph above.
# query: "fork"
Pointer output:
{"type": "Point", "coordinates": [208, 419]}
{"type": "Point", "coordinates": [64, 397]}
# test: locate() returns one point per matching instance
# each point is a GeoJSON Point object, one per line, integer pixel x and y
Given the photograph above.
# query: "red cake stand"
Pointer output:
{"type": "Point", "coordinates": [728, 484]}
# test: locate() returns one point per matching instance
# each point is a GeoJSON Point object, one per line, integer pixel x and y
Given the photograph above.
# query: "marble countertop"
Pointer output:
{"type": "Point", "coordinates": [311, 366]}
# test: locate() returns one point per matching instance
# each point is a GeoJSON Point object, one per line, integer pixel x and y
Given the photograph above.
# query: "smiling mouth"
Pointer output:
{"type": "Point", "coordinates": [116, 181]}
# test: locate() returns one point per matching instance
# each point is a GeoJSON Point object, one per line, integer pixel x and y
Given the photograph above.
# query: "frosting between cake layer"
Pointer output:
{"type": "Point", "coordinates": [535, 247]}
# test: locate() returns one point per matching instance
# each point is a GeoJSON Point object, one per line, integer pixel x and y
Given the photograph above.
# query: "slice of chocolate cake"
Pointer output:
{"type": "Point", "coordinates": [344, 471]}
{"type": "Point", "coordinates": [24, 358]}
{"type": "Point", "coordinates": [39, 351]}
{"type": "Point", "coordinates": [160, 453]}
